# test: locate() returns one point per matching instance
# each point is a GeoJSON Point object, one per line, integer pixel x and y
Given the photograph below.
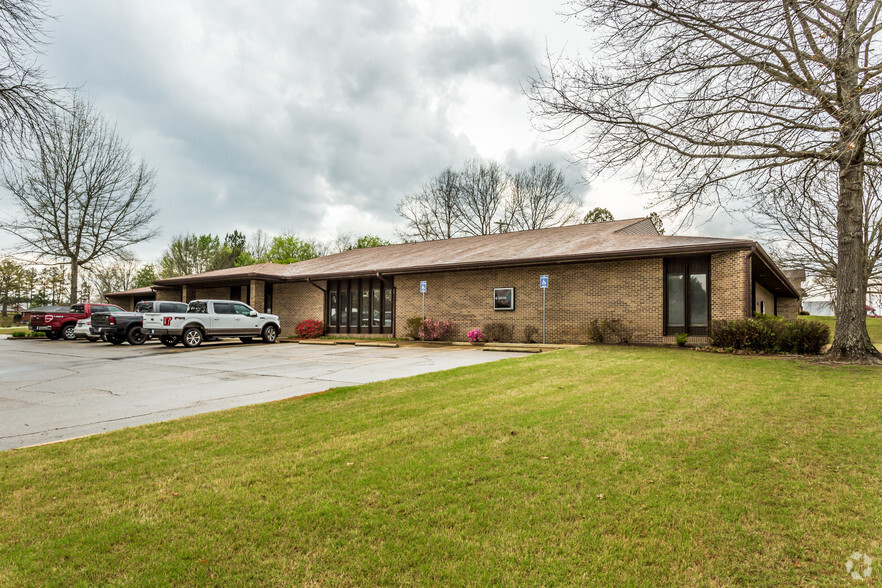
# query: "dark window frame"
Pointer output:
{"type": "Point", "coordinates": [362, 289]}
{"type": "Point", "coordinates": [688, 263]}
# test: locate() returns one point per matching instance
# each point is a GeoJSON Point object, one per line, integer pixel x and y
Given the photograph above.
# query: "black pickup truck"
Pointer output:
{"type": "Point", "coordinates": [126, 326]}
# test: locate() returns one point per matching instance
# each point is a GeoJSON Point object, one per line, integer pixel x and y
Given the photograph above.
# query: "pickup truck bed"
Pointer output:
{"type": "Point", "coordinates": [128, 326]}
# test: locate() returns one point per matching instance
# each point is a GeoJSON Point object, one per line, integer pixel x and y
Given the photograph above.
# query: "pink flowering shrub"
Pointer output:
{"type": "Point", "coordinates": [475, 335]}
{"type": "Point", "coordinates": [432, 330]}
{"type": "Point", "coordinates": [310, 329]}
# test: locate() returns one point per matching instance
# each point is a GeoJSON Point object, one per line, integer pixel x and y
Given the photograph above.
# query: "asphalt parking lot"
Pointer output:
{"type": "Point", "coordinates": [56, 390]}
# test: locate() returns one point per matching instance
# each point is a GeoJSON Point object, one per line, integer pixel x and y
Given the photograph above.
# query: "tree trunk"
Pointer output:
{"type": "Point", "coordinates": [851, 341]}
{"type": "Point", "coordinates": [74, 281]}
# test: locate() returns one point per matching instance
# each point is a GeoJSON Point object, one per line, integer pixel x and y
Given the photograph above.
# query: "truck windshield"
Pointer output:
{"type": "Point", "coordinates": [198, 306]}
{"type": "Point", "coordinates": [144, 307]}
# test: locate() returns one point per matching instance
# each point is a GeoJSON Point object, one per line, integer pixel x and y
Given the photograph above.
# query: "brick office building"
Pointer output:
{"type": "Point", "coordinates": [657, 285]}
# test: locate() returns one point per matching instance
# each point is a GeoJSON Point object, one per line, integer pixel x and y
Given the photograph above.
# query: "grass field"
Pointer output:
{"type": "Point", "coordinates": [597, 465]}
{"type": "Point", "coordinates": [11, 330]}
{"type": "Point", "coordinates": [874, 326]}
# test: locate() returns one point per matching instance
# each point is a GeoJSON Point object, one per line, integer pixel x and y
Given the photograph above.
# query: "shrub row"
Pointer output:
{"type": "Point", "coordinates": [771, 335]}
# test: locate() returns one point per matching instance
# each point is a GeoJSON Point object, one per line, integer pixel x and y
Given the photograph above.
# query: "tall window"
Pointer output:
{"type": "Point", "coordinates": [360, 306]}
{"type": "Point", "coordinates": [687, 298]}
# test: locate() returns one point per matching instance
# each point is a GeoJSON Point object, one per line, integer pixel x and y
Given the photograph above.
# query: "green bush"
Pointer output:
{"type": "Point", "coordinates": [770, 334]}
{"type": "Point", "coordinates": [498, 333]}
{"type": "Point", "coordinates": [681, 339]}
{"type": "Point", "coordinates": [19, 334]}
{"type": "Point", "coordinates": [804, 337]}
{"type": "Point", "coordinates": [36, 334]}
{"type": "Point", "coordinates": [412, 328]}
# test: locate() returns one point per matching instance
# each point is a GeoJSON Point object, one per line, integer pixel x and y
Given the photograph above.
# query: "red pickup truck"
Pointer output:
{"type": "Point", "coordinates": [58, 325]}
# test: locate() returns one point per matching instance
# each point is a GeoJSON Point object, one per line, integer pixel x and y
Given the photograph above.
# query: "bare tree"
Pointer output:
{"type": "Point", "coordinates": [799, 215]}
{"type": "Point", "coordinates": [112, 277]}
{"type": "Point", "coordinates": [482, 186]}
{"type": "Point", "coordinates": [539, 197]}
{"type": "Point", "coordinates": [80, 196]}
{"type": "Point", "coordinates": [259, 244]}
{"type": "Point", "coordinates": [706, 98]}
{"type": "Point", "coordinates": [26, 100]}
{"type": "Point", "coordinates": [432, 213]}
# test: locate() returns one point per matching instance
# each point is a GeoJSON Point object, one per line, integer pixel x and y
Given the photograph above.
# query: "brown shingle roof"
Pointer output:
{"type": "Point", "coordinates": [611, 240]}
{"type": "Point", "coordinates": [145, 291]}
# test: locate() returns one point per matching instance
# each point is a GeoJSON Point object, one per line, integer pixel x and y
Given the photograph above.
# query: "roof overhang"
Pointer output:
{"type": "Point", "coordinates": [773, 278]}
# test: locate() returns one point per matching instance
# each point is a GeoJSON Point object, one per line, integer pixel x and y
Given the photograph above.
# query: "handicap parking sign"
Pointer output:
{"type": "Point", "coordinates": [543, 281]}
{"type": "Point", "coordinates": [422, 286]}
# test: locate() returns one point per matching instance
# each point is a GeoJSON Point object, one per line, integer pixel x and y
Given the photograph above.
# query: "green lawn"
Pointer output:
{"type": "Point", "coordinates": [593, 466]}
{"type": "Point", "coordinates": [11, 330]}
{"type": "Point", "coordinates": [874, 326]}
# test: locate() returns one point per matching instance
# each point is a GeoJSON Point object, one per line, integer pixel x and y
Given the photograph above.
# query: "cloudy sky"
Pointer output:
{"type": "Point", "coordinates": [316, 116]}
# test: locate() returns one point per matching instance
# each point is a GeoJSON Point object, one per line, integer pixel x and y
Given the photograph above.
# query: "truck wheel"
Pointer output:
{"type": "Point", "coordinates": [67, 331]}
{"type": "Point", "coordinates": [245, 339]}
{"type": "Point", "coordinates": [192, 337]}
{"type": "Point", "coordinates": [115, 339]}
{"type": "Point", "coordinates": [136, 336]}
{"type": "Point", "coordinates": [169, 340]}
{"type": "Point", "coordinates": [270, 332]}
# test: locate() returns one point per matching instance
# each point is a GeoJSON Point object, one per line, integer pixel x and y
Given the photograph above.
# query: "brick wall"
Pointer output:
{"type": "Point", "coordinates": [257, 295]}
{"type": "Point", "coordinates": [788, 308]}
{"type": "Point", "coordinates": [169, 295]}
{"type": "Point", "coordinates": [729, 285]}
{"type": "Point", "coordinates": [298, 301]}
{"type": "Point", "coordinates": [126, 302]}
{"type": "Point", "coordinates": [216, 293]}
{"type": "Point", "coordinates": [577, 293]}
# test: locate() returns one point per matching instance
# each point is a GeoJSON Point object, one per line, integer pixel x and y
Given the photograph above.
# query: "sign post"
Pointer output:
{"type": "Point", "coordinates": [543, 284]}
{"type": "Point", "coordinates": [423, 290]}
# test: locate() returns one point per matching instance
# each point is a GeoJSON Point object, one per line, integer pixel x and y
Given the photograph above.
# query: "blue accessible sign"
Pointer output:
{"type": "Point", "coordinates": [422, 286]}
{"type": "Point", "coordinates": [543, 281]}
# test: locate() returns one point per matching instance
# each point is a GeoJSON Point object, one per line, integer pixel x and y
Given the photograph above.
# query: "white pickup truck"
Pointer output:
{"type": "Point", "coordinates": [212, 318]}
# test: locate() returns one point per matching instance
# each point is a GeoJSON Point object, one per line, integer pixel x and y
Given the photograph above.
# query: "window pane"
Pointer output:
{"type": "Point", "coordinates": [353, 308]}
{"type": "Point", "coordinates": [387, 308]}
{"type": "Point", "coordinates": [676, 301]}
{"type": "Point", "coordinates": [332, 308]}
{"type": "Point", "coordinates": [365, 308]}
{"type": "Point", "coordinates": [242, 309]}
{"type": "Point", "coordinates": [375, 309]}
{"type": "Point", "coordinates": [698, 300]}
{"type": "Point", "coordinates": [344, 308]}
